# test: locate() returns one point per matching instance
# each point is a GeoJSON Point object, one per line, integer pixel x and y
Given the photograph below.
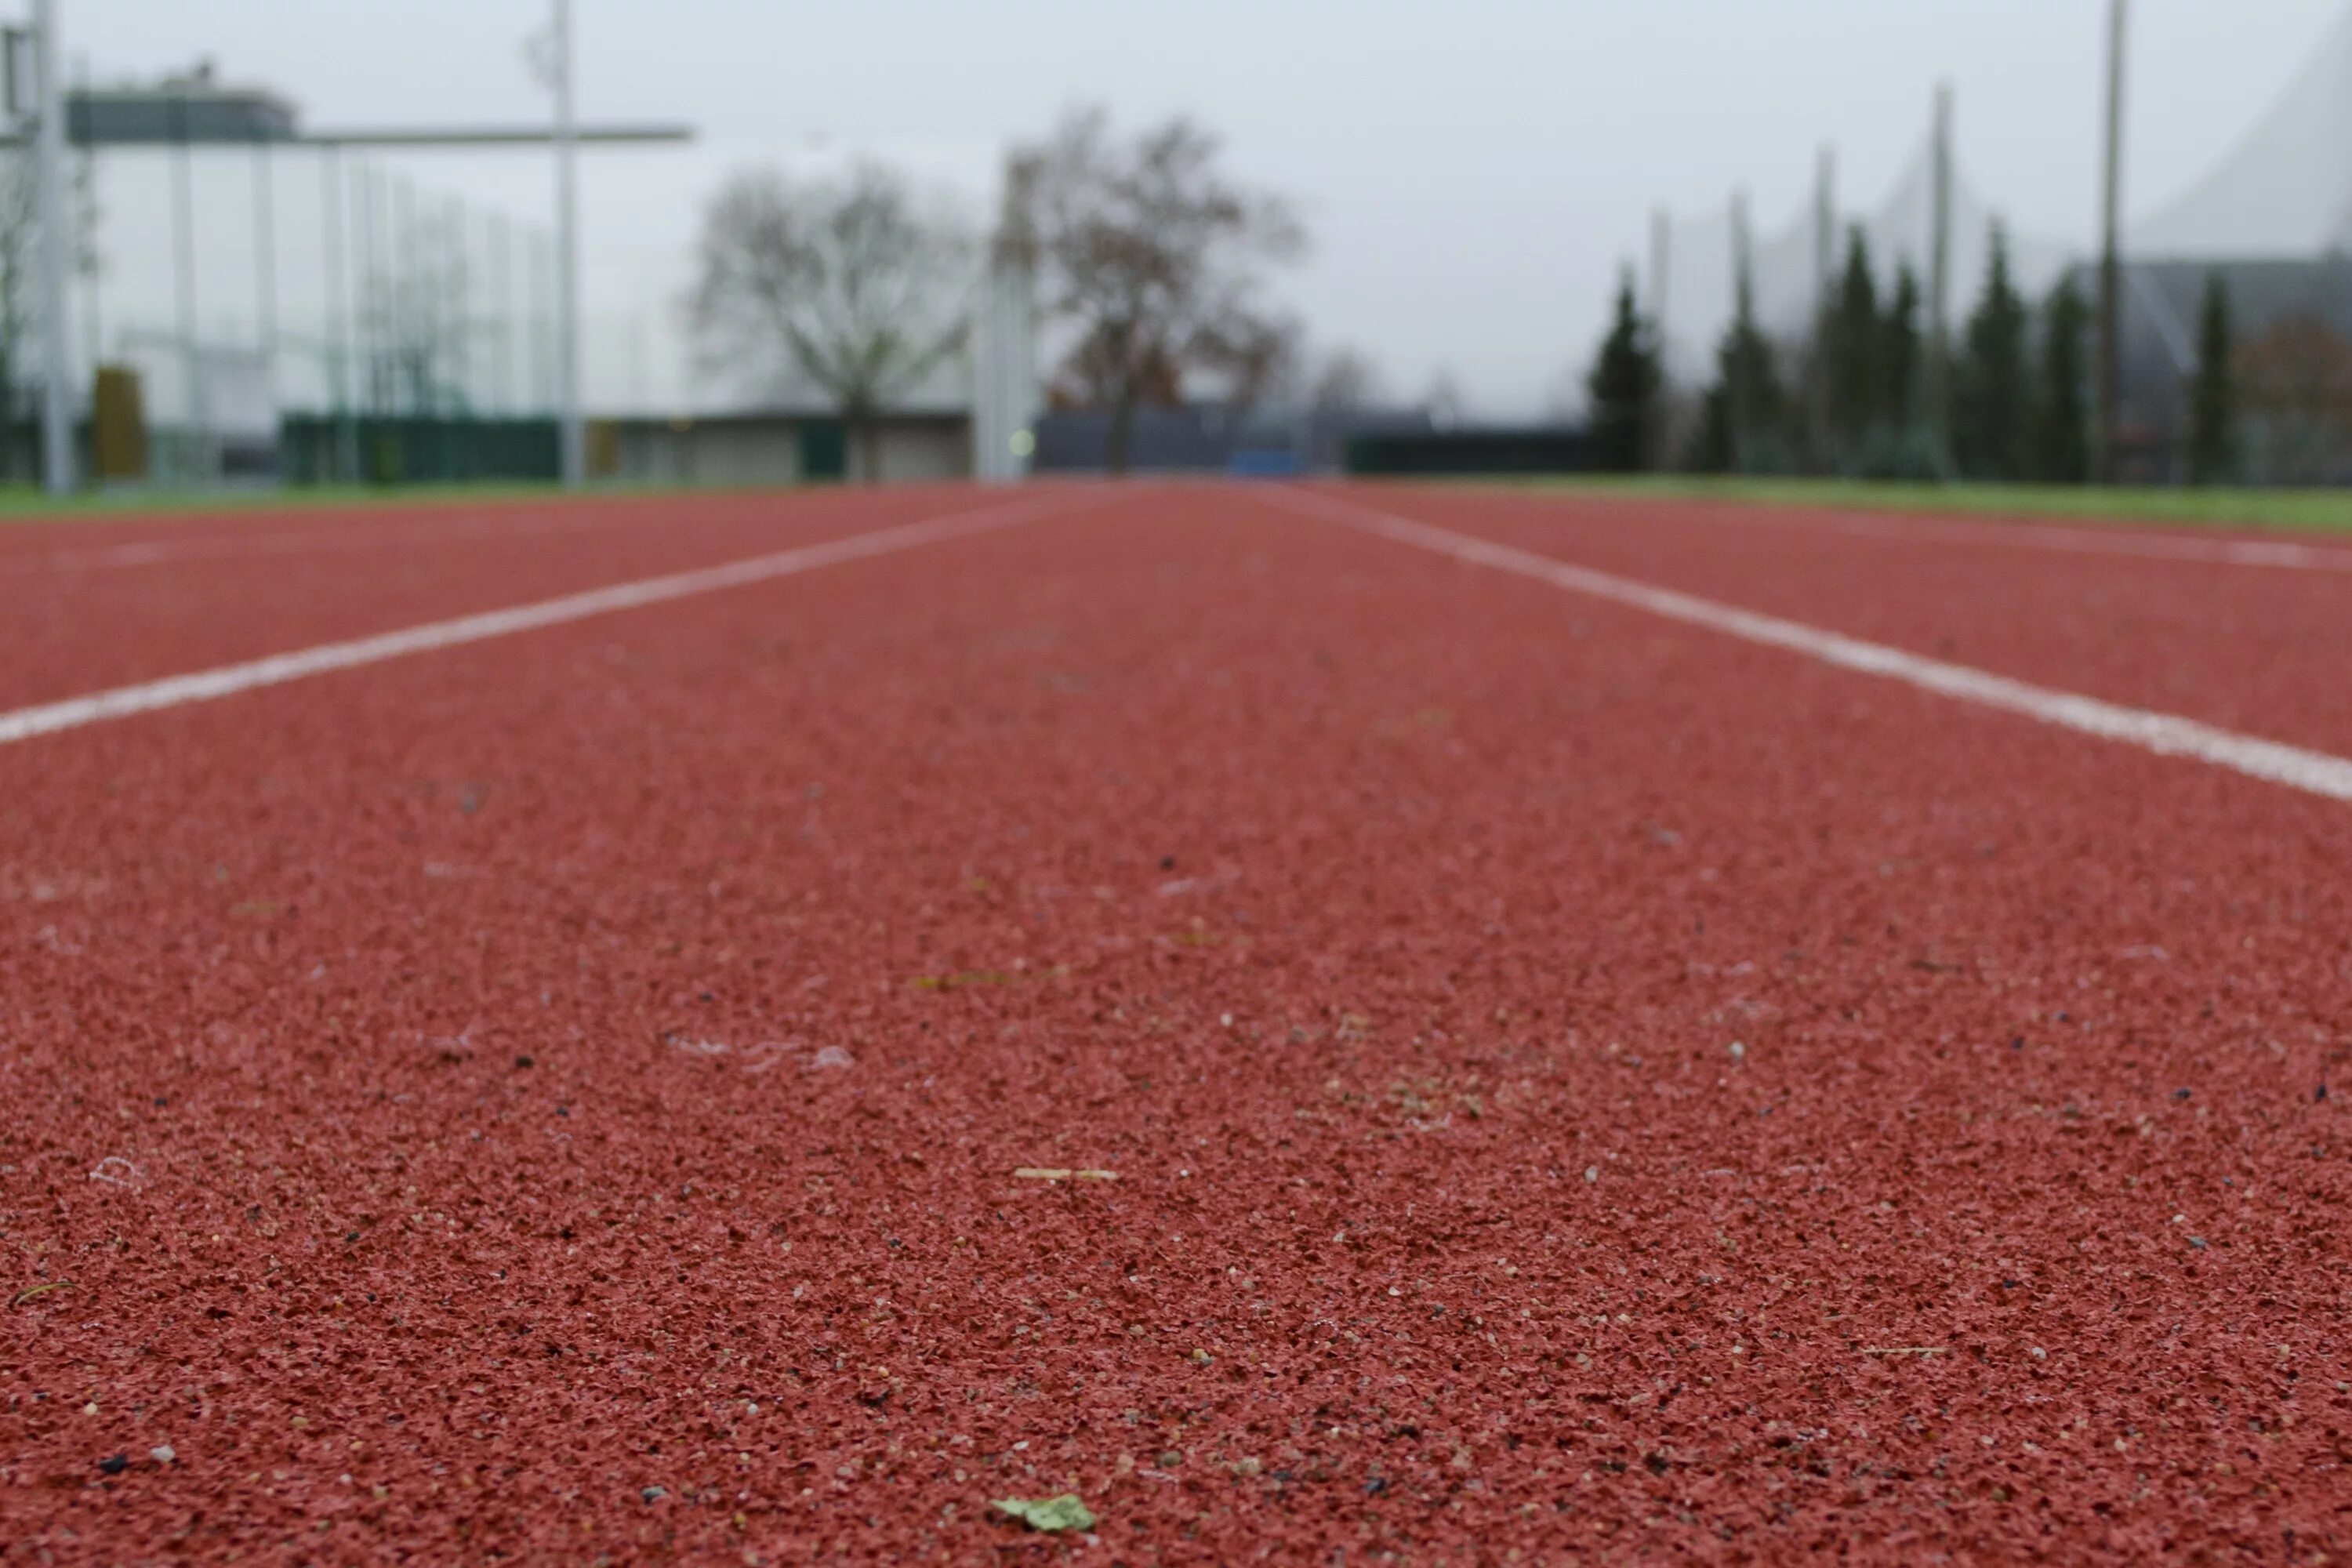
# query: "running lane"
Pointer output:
{"type": "Point", "coordinates": [1573, 1081]}
{"type": "Point", "coordinates": [105, 604]}
{"type": "Point", "coordinates": [2252, 648]}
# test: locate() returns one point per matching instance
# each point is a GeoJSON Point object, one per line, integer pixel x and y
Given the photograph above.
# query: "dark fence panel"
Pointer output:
{"type": "Point", "coordinates": [317, 449]}
{"type": "Point", "coordinates": [1543, 450]}
{"type": "Point", "coordinates": [825, 450]}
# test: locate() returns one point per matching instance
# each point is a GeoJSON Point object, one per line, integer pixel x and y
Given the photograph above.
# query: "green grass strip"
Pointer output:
{"type": "Point", "coordinates": [2297, 511]}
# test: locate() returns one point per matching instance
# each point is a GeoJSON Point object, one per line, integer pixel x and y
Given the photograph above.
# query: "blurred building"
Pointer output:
{"type": "Point", "coordinates": [249, 270]}
{"type": "Point", "coordinates": [778, 448]}
{"type": "Point", "coordinates": [194, 108]}
{"type": "Point", "coordinates": [296, 306]}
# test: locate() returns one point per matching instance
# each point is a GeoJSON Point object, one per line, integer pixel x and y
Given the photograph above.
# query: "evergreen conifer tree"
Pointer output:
{"type": "Point", "coordinates": [2062, 414]}
{"type": "Point", "coordinates": [1624, 385]}
{"type": "Point", "coordinates": [1899, 359]}
{"type": "Point", "coordinates": [1989, 383]}
{"type": "Point", "coordinates": [1744, 413]}
{"type": "Point", "coordinates": [1852, 343]}
{"type": "Point", "coordinates": [2212, 397]}
{"type": "Point", "coordinates": [1755, 405]}
{"type": "Point", "coordinates": [1709, 450]}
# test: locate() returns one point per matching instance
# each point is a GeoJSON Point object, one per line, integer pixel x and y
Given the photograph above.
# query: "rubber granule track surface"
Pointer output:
{"type": "Point", "coordinates": [1579, 1087]}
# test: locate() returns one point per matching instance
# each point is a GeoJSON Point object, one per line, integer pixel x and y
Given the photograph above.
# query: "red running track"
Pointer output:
{"type": "Point", "coordinates": [1579, 1086]}
{"type": "Point", "coordinates": [103, 605]}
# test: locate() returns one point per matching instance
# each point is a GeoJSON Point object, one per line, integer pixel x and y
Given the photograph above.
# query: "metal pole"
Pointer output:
{"type": "Point", "coordinates": [86, 264]}
{"type": "Point", "coordinates": [364, 312]}
{"type": "Point", "coordinates": [542, 326]}
{"type": "Point", "coordinates": [986, 376]}
{"type": "Point", "coordinates": [1012, 293]}
{"type": "Point", "coordinates": [183, 278]}
{"type": "Point", "coordinates": [1021, 362]}
{"type": "Point", "coordinates": [467, 312]}
{"type": "Point", "coordinates": [2110, 260]}
{"type": "Point", "coordinates": [1743, 302]}
{"type": "Point", "coordinates": [457, 293]}
{"type": "Point", "coordinates": [1824, 285]}
{"type": "Point", "coordinates": [411, 362]}
{"type": "Point", "coordinates": [1939, 280]}
{"type": "Point", "coordinates": [264, 261]}
{"type": "Point", "coordinates": [1662, 234]}
{"type": "Point", "coordinates": [86, 261]}
{"type": "Point", "coordinates": [338, 345]}
{"type": "Point", "coordinates": [638, 362]}
{"type": "Point", "coordinates": [57, 369]}
{"type": "Point", "coordinates": [533, 365]}
{"type": "Point", "coordinates": [1824, 227]}
{"type": "Point", "coordinates": [502, 298]}
{"type": "Point", "coordinates": [567, 258]}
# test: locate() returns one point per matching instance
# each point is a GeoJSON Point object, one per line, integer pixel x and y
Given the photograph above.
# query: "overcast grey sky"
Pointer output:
{"type": "Point", "coordinates": [1474, 170]}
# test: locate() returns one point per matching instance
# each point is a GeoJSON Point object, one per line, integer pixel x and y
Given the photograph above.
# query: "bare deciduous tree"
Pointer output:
{"type": "Point", "coordinates": [414, 319]}
{"type": "Point", "coordinates": [1345, 382]}
{"type": "Point", "coordinates": [858, 287]}
{"type": "Point", "coordinates": [1254, 357]}
{"type": "Point", "coordinates": [1150, 258]}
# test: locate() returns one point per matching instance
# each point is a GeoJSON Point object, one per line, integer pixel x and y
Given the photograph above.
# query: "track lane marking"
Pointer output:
{"type": "Point", "coordinates": [2055, 538]}
{"type": "Point", "coordinates": [2166, 735]}
{"type": "Point", "coordinates": [276, 669]}
{"type": "Point", "coordinates": [324, 539]}
{"type": "Point", "coordinates": [259, 546]}
{"type": "Point", "coordinates": [2065, 541]}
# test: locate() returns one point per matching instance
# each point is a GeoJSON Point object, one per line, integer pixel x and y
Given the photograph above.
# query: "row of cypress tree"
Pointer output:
{"type": "Point", "coordinates": [1856, 400]}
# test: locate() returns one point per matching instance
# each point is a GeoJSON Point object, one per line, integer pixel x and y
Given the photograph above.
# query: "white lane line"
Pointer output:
{"type": "Point", "coordinates": [163, 552]}
{"type": "Point", "coordinates": [2079, 542]}
{"type": "Point", "coordinates": [2023, 534]}
{"type": "Point", "coordinates": [2163, 734]}
{"type": "Point", "coordinates": [226, 680]}
{"type": "Point", "coordinates": [325, 539]}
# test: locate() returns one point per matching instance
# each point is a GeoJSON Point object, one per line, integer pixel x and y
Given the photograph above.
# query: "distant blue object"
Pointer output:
{"type": "Point", "coordinates": [1262, 463]}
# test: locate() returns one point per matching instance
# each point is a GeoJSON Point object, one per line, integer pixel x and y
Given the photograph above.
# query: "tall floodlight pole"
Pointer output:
{"type": "Point", "coordinates": [367, 315]}
{"type": "Point", "coordinates": [1824, 225]}
{"type": "Point", "coordinates": [1020, 306]}
{"type": "Point", "coordinates": [184, 298]}
{"type": "Point", "coordinates": [1662, 237]}
{"type": "Point", "coordinates": [1939, 277]}
{"type": "Point", "coordinates": [988, 435]}
{"type": "Point", "coordinates": [50, 152]}
{"type": "Point", "coordinates": [86, 264]}
{"type": "Point", "coordinates": [570, 434]}
{"type": "Point", "coordinates": [343, 461]}
{"type": "Point", "coordinates": [1662, 230]}
{"type": "Point", "coordinates": [265, 254]}
{"type": "Point", "coordinates": [2110, 260]}
{"type": "Point", "coordinates": [502, 304]}
{"type": "Point", "coordinates": [1825, 283]}
{"type": "Point", "coordinates": [1742, 301]}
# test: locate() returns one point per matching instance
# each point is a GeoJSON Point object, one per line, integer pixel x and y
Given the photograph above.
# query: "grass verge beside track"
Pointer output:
{"type": "Point", "coordinates": [2300, 510]}
{"type": "Point", "coordinates": [29, 504]}
{"type": "Point", "coordinates": [2297, 510]}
